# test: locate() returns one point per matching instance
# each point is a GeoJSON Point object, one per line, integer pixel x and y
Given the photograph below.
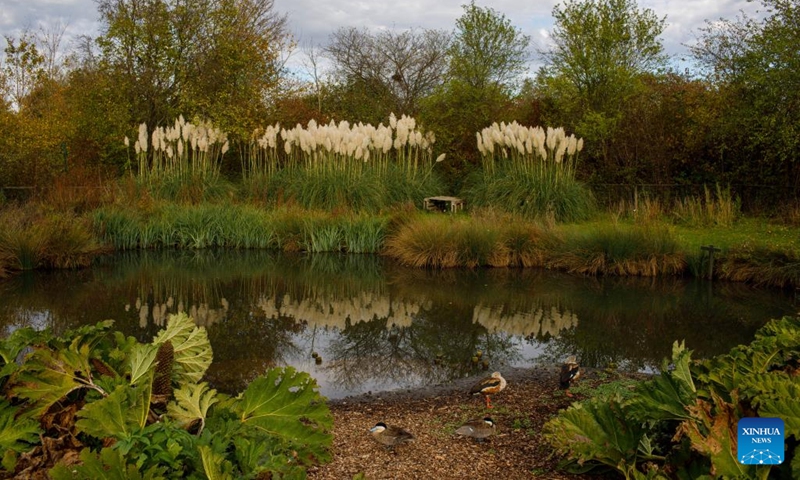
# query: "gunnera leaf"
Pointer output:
{"type": "Point", "coordinates": [108, 464]}
{"type": "Point", "coordinates": [285, 404]}
{"type": "Point", "coordinates": [17, 434]}
{"type": "Point", "coordinates": [120, 413]}
{"type": "Point", "coordinates": [192, 349]}
{"type": "Point", "coordinates": [191, 405]}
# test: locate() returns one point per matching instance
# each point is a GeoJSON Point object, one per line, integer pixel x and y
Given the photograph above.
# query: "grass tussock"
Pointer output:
{"type": "Point", "coordinates": [498, 240]}
{"type": "Point", "coordinates": [760, 266]}
{"type": "Point", "coordinates": [640, 250]}
{"type": "Point", "coordinates": [487, 239]}
{"type": "Point", "coordinates": [32, 238]}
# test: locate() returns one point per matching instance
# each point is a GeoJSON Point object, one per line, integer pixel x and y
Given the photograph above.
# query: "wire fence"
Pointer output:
{"type": "Point", "coordinates": [751, 196]}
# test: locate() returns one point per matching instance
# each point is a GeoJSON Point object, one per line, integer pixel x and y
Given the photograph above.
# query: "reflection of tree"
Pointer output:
{"type": "Point", "coordinates": [386, 323]}
{"type": "Point", "coordinates": [633, 322]}
{"type": "Point", "coordinates": [438, 346]}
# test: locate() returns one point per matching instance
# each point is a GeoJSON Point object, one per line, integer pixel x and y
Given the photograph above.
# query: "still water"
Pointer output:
{"type": "Point", "coordinates": [379, 326]}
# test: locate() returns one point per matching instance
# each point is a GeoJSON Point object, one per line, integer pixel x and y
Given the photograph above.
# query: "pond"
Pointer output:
{"type": "Point", "coordinates": [379, 326]}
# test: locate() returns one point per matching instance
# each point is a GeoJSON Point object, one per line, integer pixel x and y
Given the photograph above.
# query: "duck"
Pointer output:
{"type": "Point", "coordinates": [570, 371]}
{"type": "Point", "coordinates": [390, 436]}
{"type": "Point", "coordinates": [477, 428]}
{"type": "Point", "coordinates": [494, 383]}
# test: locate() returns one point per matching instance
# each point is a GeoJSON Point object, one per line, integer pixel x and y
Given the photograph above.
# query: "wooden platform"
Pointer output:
{"type": "Point", "coordinates": [443, 204]}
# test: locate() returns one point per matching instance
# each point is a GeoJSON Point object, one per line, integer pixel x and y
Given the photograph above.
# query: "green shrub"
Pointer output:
{"type": "Point", "coordinates": [682, 423]}
{"type": "Point", "coordinates": [131, 408]}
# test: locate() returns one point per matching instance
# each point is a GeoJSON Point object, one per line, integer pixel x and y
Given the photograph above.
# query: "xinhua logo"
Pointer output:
{"type": "Point", "coordinates": [760, 441]}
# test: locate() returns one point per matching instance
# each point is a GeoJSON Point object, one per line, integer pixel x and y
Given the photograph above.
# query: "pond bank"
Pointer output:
{"type": "Point", "coordinates": [432, 414]}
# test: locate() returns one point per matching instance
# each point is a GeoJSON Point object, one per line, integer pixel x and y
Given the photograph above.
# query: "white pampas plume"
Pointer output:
{"type": "Point", "coordinates": [572, 144]}
{"type": "Point", "coordinates": [440, 158]}
{"type": "Point", "coordinates": [392, 120]}
{"type": "Point", "coordinates": [127, 142]}
{"type": "Point", "coordinates": [579, 147]}
{"type": "Point", "coordinates": [136, 147]}
{"type": "Point", "coordinates": [225, 147]}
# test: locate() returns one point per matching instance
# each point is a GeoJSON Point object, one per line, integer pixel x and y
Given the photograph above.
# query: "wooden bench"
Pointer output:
{"type": "Point", "coordinates": [443, 204]}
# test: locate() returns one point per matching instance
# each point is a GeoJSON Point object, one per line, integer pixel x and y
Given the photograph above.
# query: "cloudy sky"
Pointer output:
{"type": "Point", "coordinates": [312, 21]}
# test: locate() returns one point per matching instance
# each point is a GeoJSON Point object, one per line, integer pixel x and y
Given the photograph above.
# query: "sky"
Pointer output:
{"type": "Point", "coordinates": [312, 21]}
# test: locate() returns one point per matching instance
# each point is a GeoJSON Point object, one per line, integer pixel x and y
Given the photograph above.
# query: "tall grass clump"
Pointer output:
{"type": "Point", "coordinates": [530, 171]}
{"type": "Point", "coordinates": [32, 239]}
{"type": "Point", "coordinates": [446, 241]}
{"type": "Point", "coordinates": [717, 207]}
{"type": "Point", "coordinates": [760, 266]}
{"type": "Point", "coordinates": [642, 250]}
{"type": "Point", "coordinates": [333, 166]}
{"type": "Point", "coordinates": [181, 161]}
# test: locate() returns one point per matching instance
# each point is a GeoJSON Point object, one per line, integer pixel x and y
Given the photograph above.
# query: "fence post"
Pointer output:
{"type": "Point", "coordinates": [710, 249]}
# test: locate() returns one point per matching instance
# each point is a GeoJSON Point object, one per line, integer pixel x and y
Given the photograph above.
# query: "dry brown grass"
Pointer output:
{"type": "Point", "coordinates": [488, 238]}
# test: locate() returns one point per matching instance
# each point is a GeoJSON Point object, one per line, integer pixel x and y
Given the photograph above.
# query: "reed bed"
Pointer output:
{"type": "Point", "coordinates": [238, 226]}
{"type": "Point", "coordinates": [360, 166]}
{"type": "Point", "coordinates": [530, 171]}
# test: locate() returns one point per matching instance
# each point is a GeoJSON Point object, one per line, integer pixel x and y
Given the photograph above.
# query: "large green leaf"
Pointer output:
{"type": "Point", "coordinates": [666, 396]}
{"type": "Point", "coordinates": [191, 346]}
{"type": "Point", "coordinates": [16, 434]}
{"type": "Point", "coordinates": [191, 404]}
{"type": "Point", "coordinates": [48, 376]}
{"type": "Point", "coordinates": [109, 464]}
{"type": "Point", "coordinates": [286, 404]}
{"type": "Point", "coordinates": [596, 430]}
{"type": "Point", "coordinates": [119, 414]}
{"type": "Point", "coordinates": [776, 394]}
{"type": "Point", "coordinates": [215, 466]}
{"type": "Point", "coordinates": [712, 432]}
{"type": "Point", "coordinates": [141, 360]}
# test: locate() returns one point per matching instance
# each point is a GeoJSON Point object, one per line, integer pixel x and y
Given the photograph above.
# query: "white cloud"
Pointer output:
{"type": "Point", "coordinates": [312, 21]}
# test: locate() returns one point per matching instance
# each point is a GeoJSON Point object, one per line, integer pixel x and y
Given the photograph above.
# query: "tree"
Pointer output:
{"type": "Point", "coordinates": [755, 65]}
{"type": "Point", "coordinates": [192, 57]}
{"type": "Point", "coordinates": [487, 51]}
{"type": "Point", "coordinates": [601, 50]}
{"type": "Point", "coordinates": [601, 46]}
{"type": "Point", "coordinates": [23, 69]}
{"type": "Point", "coordinates": [486, 61]}
{"type": "Point", "coordinates": [395, 68]}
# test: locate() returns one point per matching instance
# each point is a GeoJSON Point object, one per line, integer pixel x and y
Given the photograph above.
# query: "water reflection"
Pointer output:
{"type": "Point", "coordinates": [377, 326]}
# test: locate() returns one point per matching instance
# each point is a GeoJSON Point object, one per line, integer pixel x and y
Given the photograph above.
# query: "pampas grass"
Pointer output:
{"type": "Point", "coordinates": [339, 165]}
{"type": "Point", "coordinates": [530, 171]}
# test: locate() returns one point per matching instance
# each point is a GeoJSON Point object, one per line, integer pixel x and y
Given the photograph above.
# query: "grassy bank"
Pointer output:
{"type": "Point", "coordinates": [748, 249]}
